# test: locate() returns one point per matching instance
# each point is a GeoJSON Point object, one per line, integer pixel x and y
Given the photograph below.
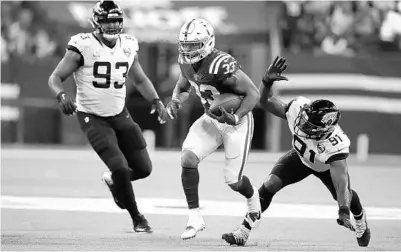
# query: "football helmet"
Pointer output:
{"type": "Point", "coordinates": [317, 120]}
{"type": "Point", "coordinates": [107, 19]}
{"type": "Point", "coordinates": [196, 40]}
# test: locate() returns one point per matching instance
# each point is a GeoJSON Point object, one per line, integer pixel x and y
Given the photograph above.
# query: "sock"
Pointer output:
{"type": "Point", "coordinates": [265, 199]}
{"type": "Point", "coordinates": [356, 206]}
{"type": "Point", "coordinates": [190, 183]}
{"type": "Point", "coordinates": [124, 191]}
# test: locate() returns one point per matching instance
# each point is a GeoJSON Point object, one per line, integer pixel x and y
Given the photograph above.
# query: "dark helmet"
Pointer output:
{"type": "Point", "coordinates": [317, 119]}
{"type": "Point", "coordinates": [107, 18]}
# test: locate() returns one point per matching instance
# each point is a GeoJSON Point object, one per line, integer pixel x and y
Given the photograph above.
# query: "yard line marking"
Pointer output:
{"type": "Point", "coordinates": [170, 206]}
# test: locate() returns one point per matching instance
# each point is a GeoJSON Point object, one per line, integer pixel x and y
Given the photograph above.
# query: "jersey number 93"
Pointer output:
{"type": "Point", "coordinates": [106, 74]}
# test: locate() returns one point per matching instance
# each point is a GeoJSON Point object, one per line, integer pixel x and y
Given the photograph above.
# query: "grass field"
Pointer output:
{"type": "Point", "coordinates": [53, 199]}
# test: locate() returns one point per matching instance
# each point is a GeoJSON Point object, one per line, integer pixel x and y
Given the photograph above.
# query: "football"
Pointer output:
{"type": "Point", "coordinates": [230, 102]}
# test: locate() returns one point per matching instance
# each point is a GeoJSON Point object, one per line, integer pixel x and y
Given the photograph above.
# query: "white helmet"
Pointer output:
{"type": "Point", "coordinates": [195, 41]}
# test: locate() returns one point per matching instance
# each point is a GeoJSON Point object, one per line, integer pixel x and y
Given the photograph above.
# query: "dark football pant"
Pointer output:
{"type": "Point", "coordinates": [290, 169]}
{"type": "Point", "coordinates": [119, 142]}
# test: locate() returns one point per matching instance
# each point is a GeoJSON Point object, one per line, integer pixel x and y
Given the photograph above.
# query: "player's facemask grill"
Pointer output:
{"type": "Point", "coordinates": [316, 123]}
{"type": "Point", "coordinates": [108, 19]}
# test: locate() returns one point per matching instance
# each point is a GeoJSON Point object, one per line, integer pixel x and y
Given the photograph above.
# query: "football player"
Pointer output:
{"type": "Point", "coordinates": [212, 72]}
{"type": "Point", "coordinates": [320, 148]}
{"type": "Point", "coordinates": [100, 62]}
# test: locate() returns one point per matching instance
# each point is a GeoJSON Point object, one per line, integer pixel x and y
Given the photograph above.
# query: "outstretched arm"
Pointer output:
{"type": "Point", "coordinates": [340, 178]}
{"type": "Point", "coordinates": [268, 100]}
{"type": "Point", "coordinates": [147, 90]}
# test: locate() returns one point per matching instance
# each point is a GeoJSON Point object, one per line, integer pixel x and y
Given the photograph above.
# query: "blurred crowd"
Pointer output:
{"type": "Point", "coordinates": [25, 32]}
{"type": "Point", "coordinates": [342, 28]}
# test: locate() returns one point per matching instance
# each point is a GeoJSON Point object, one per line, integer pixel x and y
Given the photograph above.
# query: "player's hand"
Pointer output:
{"type": "Point", "coordinates": [158, 106]}
{"type": "Point", "coordinates": [344, 218]}
{"type": "Point", "coordinates": [172, 108]}
{"type": "Point", "coordinates": [273, 73]}
{"type": "Point", "coordinates": [66, 103]}
{"type": "Point", "coordinates": [225, 117]}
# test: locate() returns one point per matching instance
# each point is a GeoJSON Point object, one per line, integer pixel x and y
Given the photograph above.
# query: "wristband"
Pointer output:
{"type": "Point", "coordinates": [267, 83]}
{"type": "Point", "coordinates": [59, 95]}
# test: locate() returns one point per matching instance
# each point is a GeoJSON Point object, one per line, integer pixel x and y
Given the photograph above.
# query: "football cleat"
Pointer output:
{"type": "Point", "coordinates": [108, 180]}
{"type": "Point", "coordinates": [195, 224]}
{"type": "Point", "coordinates": [362, 231]}
{"type": "Point", "coordinates": [141, 224]}
{"type": "Point", "coordinates": [237, 237]}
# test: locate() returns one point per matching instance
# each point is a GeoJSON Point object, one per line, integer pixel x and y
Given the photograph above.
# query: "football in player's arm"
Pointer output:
{"type": "Point", "coordinates": [72, 60]}
{"type": "Point", "coordinates": [338, 163]}
{"type": "Point", "coordinates": [238, 82]}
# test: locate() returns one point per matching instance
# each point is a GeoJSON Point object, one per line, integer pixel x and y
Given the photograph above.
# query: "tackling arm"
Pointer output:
{"type": "Point", "coordinates": [142, 82]}
{"type": "Point", "coordinates": [340, 178]}
{"type": "Point", "coordinates": [271, 103]}
{"type": "Point", "coordinates": [241, 84]}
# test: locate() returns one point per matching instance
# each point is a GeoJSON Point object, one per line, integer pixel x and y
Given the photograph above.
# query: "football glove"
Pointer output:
{"type": "Point", "coordinates": [158, 106]}
{"type": "Point", "coordinates": [273, 73]}
{"type": "Point", "coordinates": [172, 108]}
{"type": "Point", "coordinates": [225, 117]}
{"type": "Point", "coordinates": [66, 103]}
{"type": "Point", "coordinates": [344, 218]}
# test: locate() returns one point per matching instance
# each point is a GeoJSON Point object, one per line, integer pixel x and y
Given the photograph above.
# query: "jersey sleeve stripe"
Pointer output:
{"type": "Point", "coordinates": [214, 62]}
{"type": "Point", "coordinates": [216, 69]}
{"type": "Point", "coordinates": [74, 49]}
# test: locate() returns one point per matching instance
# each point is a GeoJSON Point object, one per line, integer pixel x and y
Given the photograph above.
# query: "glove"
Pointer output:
{"type": "Point", "coordinates": [225, 117]}
{"type": "Point", "coordinates": [344, 218]}
{"type": "Point", "coordinates": [66, 103]}
{"type": "Point", "coordinates": [273, 73]}
{"type": "Point", "coordinates": [172, 108]}
{"type": "Point", "coordinates": [158, 106]}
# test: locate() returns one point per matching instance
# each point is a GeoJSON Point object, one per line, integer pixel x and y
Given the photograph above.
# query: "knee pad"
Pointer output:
{"type": "Point", "coordinates": [117, 163]}
{"type": "Point", "coordinates": [243, 186]}
{"type": "Point", "coordinates": [273, 183]}
{"type": "Point", "coordinates": [189, 159]}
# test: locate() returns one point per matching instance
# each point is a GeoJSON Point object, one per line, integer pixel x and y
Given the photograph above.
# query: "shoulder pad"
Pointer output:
{"type": "Point", "coordinates": [129, 39]}
{"type": "Point", "coordinates": [223, 65]}
{"type": "Point", "coordinates": [337, 143]}
{"type": "Point", "coordinates": [80, 41]}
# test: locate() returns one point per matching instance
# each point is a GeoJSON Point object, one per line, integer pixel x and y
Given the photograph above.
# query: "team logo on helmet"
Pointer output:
{"type": "Point", "coordinates": [329, 118]}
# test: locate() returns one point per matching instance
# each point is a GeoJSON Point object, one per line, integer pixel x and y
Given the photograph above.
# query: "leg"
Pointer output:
{"type": "Point", "coordinates": [104, 141]}
{"type": "Point", "coordinates": [361, 227]}
{"type": "Point", "coordinates": [237, 143]}
{"type": "Point", "coordinates": [203, 138]}
{"type": "Point", "coordinates": [133, 145]}
{"type": "Point", "coordinates": [289, 169]}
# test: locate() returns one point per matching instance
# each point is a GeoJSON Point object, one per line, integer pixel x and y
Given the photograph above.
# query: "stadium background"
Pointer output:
{"type": "Point", "coordinates": [52, 197]}
{"type": "Point", "coordinates": [363, 75]}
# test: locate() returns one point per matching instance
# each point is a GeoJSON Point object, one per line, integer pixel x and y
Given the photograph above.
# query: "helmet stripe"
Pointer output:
{"type": "Point", "coordinates": [187, 28]}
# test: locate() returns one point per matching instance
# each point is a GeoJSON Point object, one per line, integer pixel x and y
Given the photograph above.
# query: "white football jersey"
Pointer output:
{"type": "Point", "coordinates": [101, 79]}
{"type": "Point", "coordinates": [315, 153]}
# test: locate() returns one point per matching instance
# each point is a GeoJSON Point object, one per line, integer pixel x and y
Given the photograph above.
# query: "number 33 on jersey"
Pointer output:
{"type": "Point", "coordinates": [101, 77]}
{"type": "Point", "coordinates": [317, 154]}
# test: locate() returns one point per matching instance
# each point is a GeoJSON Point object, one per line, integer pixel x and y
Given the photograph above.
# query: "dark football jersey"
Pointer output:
{"type": "Point", "coordinates": [208, 79]}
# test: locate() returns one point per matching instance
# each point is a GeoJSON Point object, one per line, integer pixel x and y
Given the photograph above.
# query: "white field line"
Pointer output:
{"type": "Point", "coordinates": [169, 206]}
